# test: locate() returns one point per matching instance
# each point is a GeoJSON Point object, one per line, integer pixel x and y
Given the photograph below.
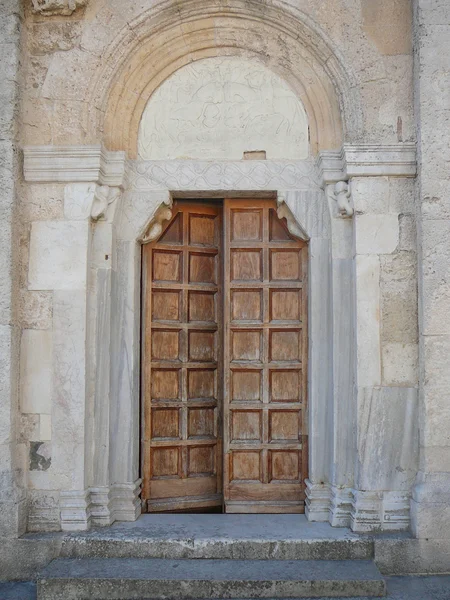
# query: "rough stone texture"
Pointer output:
{"type": "Point", "coordinates": [431, 495]}
{"type": "Point", "coordinates": [36, 360]}
{"type": "Point", "coordinates": [57, 7]}
{"type": "Point", "coordinates": [88, 73]}
{"type": "Point", "coordinates": [58, 255]}
{"type": "Point", "coordinates": [164, 578]}
{"type": "Point", "coordinates": [227, 106]}
{"type": "Point", "coordinates": [12, 464]}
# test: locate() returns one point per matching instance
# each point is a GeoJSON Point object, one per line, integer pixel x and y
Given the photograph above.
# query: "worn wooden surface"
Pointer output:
{"type": "Point", "coordinates": [225, 365]}
{"type": "Point", "coordinates": [182, 447]}
{"type": "Point", "coordinates": [265, 355]}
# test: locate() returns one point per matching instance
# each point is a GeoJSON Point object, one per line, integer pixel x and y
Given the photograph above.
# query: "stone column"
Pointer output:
{"type": "Point", "coordinates": [12, 454]}
{"type": "Point", "coordinates": [430, 506]}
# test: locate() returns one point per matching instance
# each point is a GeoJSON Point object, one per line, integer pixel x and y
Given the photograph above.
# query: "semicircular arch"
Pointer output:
{"type": "Point", "coordinates": [172, 35]}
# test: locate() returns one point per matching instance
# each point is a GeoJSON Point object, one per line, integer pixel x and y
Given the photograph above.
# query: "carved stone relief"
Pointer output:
{"type": "Point", "coordinates": [104, 196]}
{"type": "Point", "coordinates": [219, 108]}
{"type": "Point", "coordinates": [185, 175]}
{"type": "Point", "coordinates": [57, 7]}
{"type": "Point", "coordinates": [342, 194]}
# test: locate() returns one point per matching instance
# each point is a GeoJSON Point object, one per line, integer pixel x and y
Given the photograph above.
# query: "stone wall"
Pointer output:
{"type": "Point", "coordinates": [431, 499]}
{"type": "Point", "coordinates": [90, 68]}
{"type": "Point", "coordinates": [12, 452]}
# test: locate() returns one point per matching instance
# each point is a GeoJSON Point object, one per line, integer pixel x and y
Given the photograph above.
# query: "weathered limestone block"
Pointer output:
{"type": "Point", "coordinates": [400, 364]}
{"type": "Point", "coordinates": [368, 320]}
{"type": "Point", "coordinates": [371, 195]}
{"type": "Point", "coordinates": [436, 270]}
{"type": "Point", "coordinates": [376, 234]}
{"type": "Point", "coordinates": [408, 233]}
{"type": "Point", "coordinates": [57, 7]}
{"type": "Point", "coordinates": [43, 510]}
{"type": "Point", "coordinates": [398, 284]}
{"type": "Point", "coordinates": [36, 309]}
{"type": "Point", "coordinates": [36, 360]}
{"type": "Point", "coordinates": [402, 195]}
{"type": "Point", "coordinates": [42, 202]}
{"type": "Point", "coordinates": [78, 199]}
{"type": "Point", "coordinates": [47, 37]}
{"type": "Point", "coordinates": [58, 255]}
{"type": "Point", "coordinates": [387, 452]}
{"type": "Point", "coordinates": [69, 389]}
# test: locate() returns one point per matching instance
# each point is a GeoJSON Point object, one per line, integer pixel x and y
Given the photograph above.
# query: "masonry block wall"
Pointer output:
{"type": "Point", "coordinates": [372, 76]}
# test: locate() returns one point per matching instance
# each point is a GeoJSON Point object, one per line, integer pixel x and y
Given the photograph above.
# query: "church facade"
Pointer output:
{"type": "Point", "coordinates": [225, 265]}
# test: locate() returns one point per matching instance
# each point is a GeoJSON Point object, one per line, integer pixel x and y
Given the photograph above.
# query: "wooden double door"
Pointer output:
{"type": "Point", "coordinates": [224, 361]}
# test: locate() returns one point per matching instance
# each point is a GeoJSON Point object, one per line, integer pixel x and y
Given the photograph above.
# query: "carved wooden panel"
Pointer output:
{"type": "Point", "coordinates": [265, 352]}
{"type": "Point", "coordinates": [182, 447]}
{"type": "Point", "coordinates": [224, 358]}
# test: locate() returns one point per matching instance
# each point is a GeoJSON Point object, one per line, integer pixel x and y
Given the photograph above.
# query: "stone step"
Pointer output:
{"type": "Point", "coordinates": [280, 537]}
{"type": "Point", "coordinates": [126, 579]}
{"type": "Point", "coordinates": [234, 549]}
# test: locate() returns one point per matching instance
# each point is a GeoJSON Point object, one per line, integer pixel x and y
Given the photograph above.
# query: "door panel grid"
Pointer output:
{"type": "Point", "coordinates": [265, 352]}
{"type": "Point", "coordinates": [224, 358]}
{"type": "Point", "coordinates": [182, 444]}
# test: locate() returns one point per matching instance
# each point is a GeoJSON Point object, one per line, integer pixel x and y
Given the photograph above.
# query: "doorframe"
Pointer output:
{"type": "Point", "coordinates": [310, 211]}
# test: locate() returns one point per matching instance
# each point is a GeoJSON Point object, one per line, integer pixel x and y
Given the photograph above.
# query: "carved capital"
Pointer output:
{"type": "Point", "coordinates": [342, 195]}
{"type": "Point", "coordinates": [104, 196]}
{"type": "Point", "coordinates": [57, 7]}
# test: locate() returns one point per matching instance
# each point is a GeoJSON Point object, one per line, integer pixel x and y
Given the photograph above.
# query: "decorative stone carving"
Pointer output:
{"type": "Point", "coordinates": [104, 196]}
{"type": "Point", "coordinates": [57, 7]}
{"type": "Point", "coordinates": [154, 230]}
{"type": "Point", "coordinates": [220, 108]}
{"type": "Point", "coordinates": [342, 195]}
{"type": "Point", "coordinates": [245, 175]}
{"type": "Point", "coordinates": [284, 212]}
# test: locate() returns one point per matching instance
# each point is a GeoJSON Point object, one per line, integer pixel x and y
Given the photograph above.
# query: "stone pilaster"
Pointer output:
{"type": "Point", "coordinates": [430, 506]}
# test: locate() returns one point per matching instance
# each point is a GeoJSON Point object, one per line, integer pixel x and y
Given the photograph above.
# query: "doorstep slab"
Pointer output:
{"type": "Point", "coordinates": [282, 537]}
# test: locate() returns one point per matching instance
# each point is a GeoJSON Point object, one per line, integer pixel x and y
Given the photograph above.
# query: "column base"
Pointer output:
{"type": "Point", "coordinates": [317, 505]}
{"type": "Point", "coordinates": [75, 508]}
{"type": "Point", "coordinates": [361, 511]}
{"type": "Point", "coordinates": [125, 504]}
{"type": "Point", "coordinates": [340, 506]}
{"type": "Point", "coordinates": [100, 506]}
{"type": "Point", "coordinates": [379, 511]}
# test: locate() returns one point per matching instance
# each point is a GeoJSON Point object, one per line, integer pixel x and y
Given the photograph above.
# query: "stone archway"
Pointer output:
{"type": "Point", "coordinates": [168, 37]}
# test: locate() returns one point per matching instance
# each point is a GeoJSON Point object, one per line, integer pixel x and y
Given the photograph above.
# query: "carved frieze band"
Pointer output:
{"type": "Point", "coordinates": [185, 175]}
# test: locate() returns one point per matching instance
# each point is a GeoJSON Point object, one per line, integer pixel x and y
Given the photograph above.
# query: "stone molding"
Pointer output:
{"type": "Point", "coordinates": [363, 511]}
{"type": "Point", "coordinates": [367, 160]}
{"type": "Point", "coordinates": [69, 164]}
